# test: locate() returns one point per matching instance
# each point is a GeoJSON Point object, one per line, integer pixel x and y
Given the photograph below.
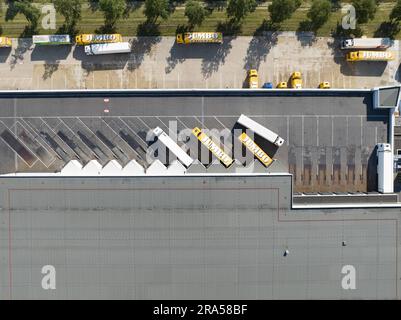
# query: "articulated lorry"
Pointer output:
{"type": "Point", "coordinates": [366, 43]}
{"type": "Point", "coordinates": [84, 39]}
{"type": "Point", "coordinates": [260, 130]}
{"type": "Point", "coordinates": [370, 56]}
{"type": "Point", "coordinates": [56, 39]}
{"type": "Point", "coordinates": [107, 48]}
{"type": "Point", "coordinates": [199, 37]}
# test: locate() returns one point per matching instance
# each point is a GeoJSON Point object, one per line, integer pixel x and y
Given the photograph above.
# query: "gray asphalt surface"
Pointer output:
{"type": "Point", "coordinates": [330, 136]}
{"type": "Point", "coordinates": [188, 238]}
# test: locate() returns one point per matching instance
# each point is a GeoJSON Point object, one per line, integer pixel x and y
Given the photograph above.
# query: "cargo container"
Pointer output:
{"type": "Point", "coordinates": [199, 37]}
{"type": "Point", "coordinates": [366, 43]}
{"type": "Point", "coordinates": [370, 56]}
{"type": "Point", "coordinates": [56, 39]}
{"type": "Point", "coordinates": [84, 39]}
{"type": "Point", "coordinates": [107, 48]}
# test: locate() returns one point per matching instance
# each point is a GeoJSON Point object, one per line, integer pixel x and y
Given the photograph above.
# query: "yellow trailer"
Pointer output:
{"type": "Point", "coordinates": [5, 42]}
{"type": "Point", "coordinates": [255, 149]}
{"type": "Point", "coordinates": [213, 147]}
{"type": "Point", "coordinates": [85, 39]}
{"type": "Point", "coordinates": [199, 37]}
{"type": "Point", "coordinates": [370, 56]}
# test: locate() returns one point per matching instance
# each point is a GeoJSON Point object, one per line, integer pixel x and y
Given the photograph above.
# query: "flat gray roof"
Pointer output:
{"type": "Point", "coordinates": [188, 238]}
{"type": "Point", "coordinates": [330, 135]}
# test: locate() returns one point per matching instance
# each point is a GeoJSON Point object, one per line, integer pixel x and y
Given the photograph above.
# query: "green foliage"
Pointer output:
{"type": "Point", "coordinates": [31, 13]}
{"type": "Point", "coordinates": [195, 12]}
{"type": "Point", "coordinates": [365, 10]}
{"type": "Point", "coordinates": [238, 9]}
{"type": "Point", "coordinates": [112, 11]}
{"type": "Point", "coordinates": [70, 9]}
{"type": "Point", "coordinates": [396, 12]}
{"type": "Point", "coordinates": [319, 12]}
{"type": "Point", "coordinates": [281, 10]}
{"type": "Point", "coordinates": [155, 9]}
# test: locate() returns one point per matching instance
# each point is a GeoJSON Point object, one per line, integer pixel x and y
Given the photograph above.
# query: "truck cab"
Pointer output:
{"type": "Point", "coordinates": [296, 80]}
{"type": "Point", "coordinates": [253, 80]}
{"type": "Point", "coordinates": [282, 85]}
{"type": "Point", "coordinates": [324, 85]}
{"type": "Point", "coordinates": [5, 42]}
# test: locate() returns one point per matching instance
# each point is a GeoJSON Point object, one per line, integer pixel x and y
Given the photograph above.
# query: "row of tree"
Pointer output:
{"type": "Point", "coordinates": [196, 11]}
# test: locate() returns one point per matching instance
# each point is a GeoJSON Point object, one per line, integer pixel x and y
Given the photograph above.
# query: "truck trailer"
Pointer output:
{"type": "Point", "coordinates": [56, 39]}
{"type": "Point", "coordinates": [385, 165]}
{"type": "Point", "coordinates": [107, 48]}
{"type": "Point", "coordinates": [260, 130]}
{"type": "Point", "coordinates": [366, 43]}
{"type": "Point", "coordinates": [370, 56]}
{"type": "Point", "coordinates": [199, 37]}
{"type": "Point", "coordinates": [170, 144]}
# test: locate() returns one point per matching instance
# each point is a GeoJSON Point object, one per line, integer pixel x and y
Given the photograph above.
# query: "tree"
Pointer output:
{"type": "Point", "coordinates": [112, 11]}
{"type": "Point", "coordinates": [396, 12]}
{"type": "Point", "coordinates": [238, 9]}
{"type": "Point", "coordinates": [365, 10]}
{"type": "Point", "coordinates": [195, 12]}
{"type": "Point", "coordinates": [319, 12]}
{"type": "Point", "coordinates": [155, 9]}
{"type": "Point", "coordinates": [70, 10]}
{"type": "Point", "coordinates": [31, 13]}
{"type": "Point", "coordinates": [281, 10]}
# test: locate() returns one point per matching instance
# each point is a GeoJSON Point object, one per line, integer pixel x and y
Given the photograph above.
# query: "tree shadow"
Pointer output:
{"type": "Point", "coordinates": [23, 45]}
{"type": "Point", "coordinates": [50, 68]}
{"type": "Point", "coordinates": [387, 29]}
{"type": "Point", "coordinates": [264, 39]}
{"type": "Point", "coordinates": [178, 53]}
{"type": "Point", "coordinates": [306, 38]}
{"type": "Point", "coordinates": [93, 5]}
{"type": "Point", "coordinates": [148, 35]}
{"type": "Point", "coordinates": [213, 4]}
{"type": "Point", "coordinates": [216, 55]}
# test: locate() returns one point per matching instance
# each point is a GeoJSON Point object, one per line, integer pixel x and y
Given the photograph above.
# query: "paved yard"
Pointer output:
{"type": "Point", "coordinates": [160, 63]}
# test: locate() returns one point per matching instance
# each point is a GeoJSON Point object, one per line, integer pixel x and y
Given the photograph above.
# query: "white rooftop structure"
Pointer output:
{"type": "Point", "coordinates": [92, 168]}
{"type": "Point", "coordinates": [72, 168]}
{"type": "Point", "coordinates": [133, 168]}
{"type": "Point", "coordinates": [156, 168]}
{"type": "Point", "coordinates": [176, 168]}
{"type": "Point", "coordinates": [112, 168]}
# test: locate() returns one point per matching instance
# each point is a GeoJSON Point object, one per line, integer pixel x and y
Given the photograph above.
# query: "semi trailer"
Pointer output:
{"type": "Point", "coordinates": [107, 48]}
{"type": "Point", "coordinates": [366, 43]}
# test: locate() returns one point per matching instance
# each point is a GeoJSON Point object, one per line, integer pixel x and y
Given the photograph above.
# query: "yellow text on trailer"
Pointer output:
{"type": "Point", "coordinates": [213, 147]}
{"type": "Point", "coordinates": [255, 149]}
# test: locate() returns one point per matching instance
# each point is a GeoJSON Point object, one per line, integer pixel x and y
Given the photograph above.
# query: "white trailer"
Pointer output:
{"type": "Point", "coordinates": [260, 130]}
{"type": "Point", "coordinates": [173, 147]}
{"type": "Point", "coordinates": [54, 39]}
{"type": "Point", "coordinates": [107, 48]}
{"type": "Point", "coordinates": [366, 43]}
{"type": "Point", "coordinates": [385, 165]}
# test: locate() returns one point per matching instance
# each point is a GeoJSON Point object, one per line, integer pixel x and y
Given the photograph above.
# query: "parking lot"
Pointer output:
{"type": "Point", "coordinates": [329, 140]}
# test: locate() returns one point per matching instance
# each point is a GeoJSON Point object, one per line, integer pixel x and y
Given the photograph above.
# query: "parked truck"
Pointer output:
{"type": "Point", "coordinates": [56, 39]}
{"type": "Point", "coordinates": [199, 37]}
{"type": "Point", "coordinates": [107, 48]}
{"type": "Point", "coordinates": [366, 43]}
{"type": "Point", "coordinates": [85, 39]}
{"type": "Point", "coordinates": [260, 130]}
{"type": "Point", "coordinates": [5, 42]}
{"type": "Point", "coordinates": [370, 56]}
